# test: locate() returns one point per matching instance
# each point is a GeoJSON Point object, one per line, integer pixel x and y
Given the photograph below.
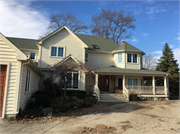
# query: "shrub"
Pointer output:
{"type": "Point", "coordinates": [49, 93]}
{"type": "Point", "coordinates": [43, 100]}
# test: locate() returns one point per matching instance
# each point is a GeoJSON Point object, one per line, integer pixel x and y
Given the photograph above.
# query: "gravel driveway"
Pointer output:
{"type": "Point", "coordinates": [138, 117]}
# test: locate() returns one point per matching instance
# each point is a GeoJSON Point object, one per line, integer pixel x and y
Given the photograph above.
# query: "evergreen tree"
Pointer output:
{"type": "Point", "coordinates": [168, 64]}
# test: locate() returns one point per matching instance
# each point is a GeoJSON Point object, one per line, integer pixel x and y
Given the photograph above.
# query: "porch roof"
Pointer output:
{"type": "Point", "coordinates": [113, 69]}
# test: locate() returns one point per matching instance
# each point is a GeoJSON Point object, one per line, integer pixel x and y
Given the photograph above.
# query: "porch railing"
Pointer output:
{"type": "Point", "coordinates": [126, 93]}
{"type": "Point", "coordinates": [147, 89]}
{"type": "Point", "coordinates": [97, 91]}
{"type": "Point", "coordinates": [159, 90]}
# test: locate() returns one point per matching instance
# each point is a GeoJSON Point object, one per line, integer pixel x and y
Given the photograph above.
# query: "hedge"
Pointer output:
{"type": "Point", "coordinates": [70, 93]}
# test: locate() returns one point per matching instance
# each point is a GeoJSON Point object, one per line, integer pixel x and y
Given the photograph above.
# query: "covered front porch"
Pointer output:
{"type": "Point", "coordinates": [143, 84]}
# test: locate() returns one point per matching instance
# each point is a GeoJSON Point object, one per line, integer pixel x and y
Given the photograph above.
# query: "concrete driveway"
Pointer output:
{"type": "Point", "coordinates": [161, 117]}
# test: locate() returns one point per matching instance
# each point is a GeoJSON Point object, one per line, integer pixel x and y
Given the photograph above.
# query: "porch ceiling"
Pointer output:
{"type": "Point", "coordinates": [119, 71]}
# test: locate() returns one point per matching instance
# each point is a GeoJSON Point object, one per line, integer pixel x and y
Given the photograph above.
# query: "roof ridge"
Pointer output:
{"type": "Point", "coordinates": [21, 38]}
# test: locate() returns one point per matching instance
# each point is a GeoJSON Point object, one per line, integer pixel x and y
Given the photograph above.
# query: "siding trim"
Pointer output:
{"type": "Point", "coordinates": [18, 85]}
{"type": "Point", "coordinates": [6, 86]}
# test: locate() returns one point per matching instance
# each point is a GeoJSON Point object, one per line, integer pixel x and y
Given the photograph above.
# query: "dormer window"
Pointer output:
{"type": "Point", "coordinates": [95, 46]}
{"type": "Point", "coordinates": [131, 58]}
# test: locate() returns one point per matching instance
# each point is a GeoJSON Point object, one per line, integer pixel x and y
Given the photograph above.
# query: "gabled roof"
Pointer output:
{"type": "Point", "coordinates": [103, 43]}
{"type": "Point", "coordinates": [127, 47]}
{"type": "Point", "coordinates": [114, 69]}
{"type": "Point", "coordinates": [19, 54]}
{"type": "Point", "coordinates": [23, 43]}
{"type": "Point", "coordinates": [56, 31]}
{"type": "Point", "coordinates": [69, 57]}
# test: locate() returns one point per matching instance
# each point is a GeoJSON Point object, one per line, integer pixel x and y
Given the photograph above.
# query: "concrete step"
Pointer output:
{"type": "Point", "coordinates": [113, 100]}
{"type": "Point", "coordinates": [112, 97]}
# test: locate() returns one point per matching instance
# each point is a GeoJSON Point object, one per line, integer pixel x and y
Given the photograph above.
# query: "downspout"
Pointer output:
{"type": "Point", "coordinates": [20, 84]}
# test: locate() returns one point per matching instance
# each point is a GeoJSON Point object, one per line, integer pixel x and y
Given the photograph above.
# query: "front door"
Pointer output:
{"type": "Point", "coordinates": [103, 83]}
{"type": "Point", "coordinates": [2, 85]}
{"type": "Point", "coordinates": [120, 81]}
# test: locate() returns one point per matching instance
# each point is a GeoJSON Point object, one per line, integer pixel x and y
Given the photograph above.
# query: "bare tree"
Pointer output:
{"type": "Point", "coordinates": [149, 62]}
{"type": "Point", "coordinates": [113, 25]}
{"type": "Point", "coordinates": [62, 19]}
{"type": "Point", "coordinates": [62, 74]}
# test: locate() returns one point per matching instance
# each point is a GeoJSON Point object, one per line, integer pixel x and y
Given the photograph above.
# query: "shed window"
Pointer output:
{"type": "Point", "coordinates": [32, 55]}
{"type": "Point", "coordinates": [86, 56]}
{"type": "Point", "coordinates": [28, 78]}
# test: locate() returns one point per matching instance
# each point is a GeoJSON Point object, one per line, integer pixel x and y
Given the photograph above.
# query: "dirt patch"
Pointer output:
{"type": "Point", "coordinates": [98, 129]}
{"type": "Point", "coordinates": [162, 107]}
{"type": "Point", "coordinates": [125, 127]}
{"type": "Point", "coordinates": [142, 106]}
{"type": "Point", "coordinates": [125, 122]}
{"type": "Point", "coordinates": [65, 116]}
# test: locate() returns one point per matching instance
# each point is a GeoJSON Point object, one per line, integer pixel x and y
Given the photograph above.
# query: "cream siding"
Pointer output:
{"type": "Point", "coordinates": [24, 97]}
{"type": "Point", "coordinates": [100, 60]}
{"type": "Point", "coordinates": [7, 55]}
{"type": "Point", "coordinates": [90, 82]}
{"type": "Point", "coordinates": [61, 39]}
{"type": "Point", "coordinates": [121, 65]}
{"type": "Point", "coordinates": [134, 65]}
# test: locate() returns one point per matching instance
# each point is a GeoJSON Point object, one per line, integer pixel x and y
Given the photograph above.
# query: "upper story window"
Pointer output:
{"type": "Point", "coordinates": [86, 57]}
{"type": "Point", "coordinates": [57, 51]}
{"type": "Point", "coordinates": [95, 46]}
{"type": "Point", "coordinates": [131, 58]}
{"type": "Point", "coordinates": [33, 56]}
{"type": "Point", "coordinates": [120, 58]}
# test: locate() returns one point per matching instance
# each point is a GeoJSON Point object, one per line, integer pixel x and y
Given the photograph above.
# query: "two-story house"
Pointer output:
{"type": "Point", "coordinates": [25, 63]}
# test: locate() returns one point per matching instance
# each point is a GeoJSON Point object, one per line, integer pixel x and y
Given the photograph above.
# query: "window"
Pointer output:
{"type": "Point", "coordinates": [72, 80]}
{"type": "Point", "coordinates": [132, 81]}
{"type": "Point", "coordinates": [131, 58]}
{"type": "Point", "coordinates": [32, 55]}
{"type": "Point", "coordinates": [129, 81]}
{"type": "Point", "coordinates": [95, 46]}
{"type": "Point", "coordinates": [86, 57]}
{"type": "Point", "coordinates": [120, 59]}
{"type": "Point", "coordinates": [28, 78]}
{"type": "Point", "coordinates": [57, 51]}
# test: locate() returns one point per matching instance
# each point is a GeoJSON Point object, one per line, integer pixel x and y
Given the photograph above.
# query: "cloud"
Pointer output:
{"type": "Point", "coordinates": [176, 52]}
{"type": "Point", "coordinates": [171, 46]}
{"type": "Point", "coordinates": [145, 34]}
{"type": "Point", "coordinates": [151, 11]}
{"type": "Point", "coordinates": [21, 19]}
{"type": "Point", "coordinates": [162, 42]}
{"type": "Point", "coordinates": [134, 40]}
{"type": "Point", "coordinates": [178, 38]}
{"type": "Point", "coordinates": [157, 52]}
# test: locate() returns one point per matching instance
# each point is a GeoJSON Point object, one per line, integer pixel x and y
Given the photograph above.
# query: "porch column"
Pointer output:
{"type": "Point", "coordinates": [165, 85]}
{"type": "Point", "coordinates": [123, 82]}
{"type": "Point", "coordinates": [96, 79]}
{"type": "Point", "coordinates": [153, 84]}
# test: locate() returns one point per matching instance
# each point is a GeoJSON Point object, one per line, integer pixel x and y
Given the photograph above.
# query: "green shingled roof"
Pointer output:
{"type": "Point", "coordinates": [117, 69]}
{"type": "Point", "coordinates": [22, 43]}
{"type": "Point", "coordinates": [103, 43]}
{"type": "Point", "coordinates": [127, 47]}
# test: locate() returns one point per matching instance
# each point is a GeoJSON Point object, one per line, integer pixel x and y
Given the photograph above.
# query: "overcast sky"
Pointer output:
{"type": "Point", "coordinates": [157, 22]}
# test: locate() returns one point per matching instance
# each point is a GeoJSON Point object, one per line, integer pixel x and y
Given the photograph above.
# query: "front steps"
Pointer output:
{"type": "Point", "coordinates": [112, 97]}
